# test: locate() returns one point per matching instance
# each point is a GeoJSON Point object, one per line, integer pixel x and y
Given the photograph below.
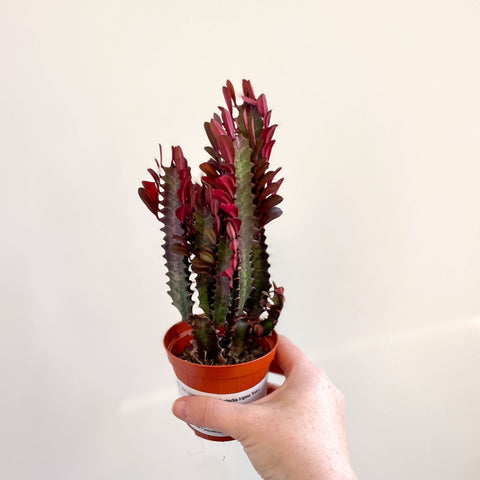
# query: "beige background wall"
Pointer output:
{"type": "Point", "coordinates": [378, 107]}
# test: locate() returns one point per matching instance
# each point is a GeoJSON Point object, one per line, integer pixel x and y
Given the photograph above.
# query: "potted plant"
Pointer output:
{"type": "Point", "coordinates": [214, 243]}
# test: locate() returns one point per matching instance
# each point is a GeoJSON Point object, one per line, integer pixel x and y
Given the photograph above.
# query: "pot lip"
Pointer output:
{"type": "Point", "coordinates": [183, 329]}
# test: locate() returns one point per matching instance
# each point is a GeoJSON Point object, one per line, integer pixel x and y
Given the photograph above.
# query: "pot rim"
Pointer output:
{"type": "Point", "coordinates": [183, 329]}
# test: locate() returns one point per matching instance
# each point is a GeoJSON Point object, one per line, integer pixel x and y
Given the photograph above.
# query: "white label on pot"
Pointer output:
{"type": "Point", "coordinates": [247, 396]}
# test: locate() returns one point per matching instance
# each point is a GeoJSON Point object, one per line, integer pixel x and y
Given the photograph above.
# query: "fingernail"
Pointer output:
{"type": "Point", "coordinates": [180, 409]}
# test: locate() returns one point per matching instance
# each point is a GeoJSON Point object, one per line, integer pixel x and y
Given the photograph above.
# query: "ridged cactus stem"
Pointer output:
{"type": "Point", "coordinates": [222, 294]}
{"type": "Point", "coordinates": [177, 263]}
{"type": "Point", "coordinates": [260, 275]}
{"type": "Point", "coordinates": [206, 345]}
{"type": "Point", "coordinates": [205, 282]}
{"type": "Point", "coordinates": [246, 207]}
{"type": "Point", "coordinates": [239, 336]}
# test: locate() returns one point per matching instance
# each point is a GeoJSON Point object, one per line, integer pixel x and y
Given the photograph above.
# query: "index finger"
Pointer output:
{"type": "Point", "coordinates": [287, 356]}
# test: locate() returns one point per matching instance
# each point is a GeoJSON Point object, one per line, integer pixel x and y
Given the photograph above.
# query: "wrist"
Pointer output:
{"type": "Point", "coordinates": [325, 468]}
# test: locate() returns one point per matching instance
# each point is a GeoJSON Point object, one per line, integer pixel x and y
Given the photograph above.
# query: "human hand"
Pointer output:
{"type": "Point", "coordinates": [296, 432]}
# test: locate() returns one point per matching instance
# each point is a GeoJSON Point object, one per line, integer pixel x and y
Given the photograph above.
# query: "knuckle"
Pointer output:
{"type": "Point", "coordinates": [316, 373]}
{"type": "Point", "coordinates": [207, 413]}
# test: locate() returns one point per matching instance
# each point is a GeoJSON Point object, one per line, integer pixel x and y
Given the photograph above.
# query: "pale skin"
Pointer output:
{"type": "Point", "coordinates": [296, 432]}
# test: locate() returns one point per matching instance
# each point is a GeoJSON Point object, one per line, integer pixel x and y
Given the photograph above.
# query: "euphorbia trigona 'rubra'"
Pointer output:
{"type": "Point", "coordinates": [214, 232]}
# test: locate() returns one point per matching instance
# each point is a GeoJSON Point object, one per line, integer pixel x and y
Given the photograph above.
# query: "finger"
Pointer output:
{"type": "Point", "coordinates": [288, 355]}
{"type": "Point", "coordinates": [211, 413]}
{"type": "Point", "coordinates": [275, 367]}
{"type": "Point", "coordinates": [271, 387]}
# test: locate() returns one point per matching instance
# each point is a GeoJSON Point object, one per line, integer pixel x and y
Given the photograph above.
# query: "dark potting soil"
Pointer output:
{"type": "Point", "coordinates": [253, 350]}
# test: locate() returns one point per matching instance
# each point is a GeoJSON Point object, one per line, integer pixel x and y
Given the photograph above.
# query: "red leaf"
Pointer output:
{"type": "Point", "coordinates": [155, 176]}
{"type": "Point", "coordinates": [199, 266]}
{"type": "Point", "coordinates": [247, 89]}
{"type": "Point", "coordinates": [279, 290]}
{"type": "Point", "coordinates": [262, 105]}
{"type": "Point", "coordinates": [225, 145]}
{"type": "Point", "coordinates": [183, 212]}
{"type": "Point", "coordinates": [178, 158]}
{"type": "Point", "coordinates": [257, 150]}
{"type": "Point", "coordinates": [213, 203]}
{"type": "Point", "coordinates": [217, 129]}
{"type": "Point", "coordinates": [151, 188]}
{"type": "Point", "coordinates": [260, 168]}
{"type": "Point", "coordinates": [267, 149]}
{"type": "Point", "coordinates": [265, 180]}
{"type": "Point", "coordinates": [161, 157]}
{"type": "Point", "coordinates": [147, 200]}
{"type": "Point", "coordinates": [233, 227]}
{"type": "Point", "coordinates": [184, 193]}
{"type": "Point", "coordinates": [179, 249]}
{"type": "Point", "coordinates": [231, 231]}
{"type": "Point", "coordinates": [209, 170]}
{"type": "Point", "coordinates": [230, 209]}
{"type": "Point", "coordinates": [232, 91]}
{"type": "Point", "coordinates": [214, 208]}
{"type": "Point", "coordinates": [210, 135]}
{"type": "Point", "coordinates": [245, 118]}
{"type": "Point", "coordinates": [271, 189]}
{"type": "Point", "coordinates": [267, 133]}
{"type": "Point", "coordinates": [258, 329]}
{"type": "Point", "coordinates": [212, 152]}
{"type": "Point", "coordinates": [227, 183]}
{"type": "Point", "coordinates": [217, 223]}
{"type": "Point", "coordinates": [269, 203]}
{"type": "Point", "coordinates": [228, 122]}
{"type": "Point", "coordinates": [266, 120]}
{"type": "Point", "coordinates": [253, 129]}
{"type": "Point", "coordinates": [228, 98]}
{"type": "Point", "coordinates": [272, 214]}
{"type": "Point", "coordinates": [222, 196]}
{"type": "Point", "coordinates": [228, 272]}
{"type": "Point", "coordinates": [250, 101]}
{"type": "Point", "coordinates": [228, 168]}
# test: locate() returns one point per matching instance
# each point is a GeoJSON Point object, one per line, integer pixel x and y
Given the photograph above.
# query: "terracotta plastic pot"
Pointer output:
{"type": "Point", "coordinates": [242, 383]}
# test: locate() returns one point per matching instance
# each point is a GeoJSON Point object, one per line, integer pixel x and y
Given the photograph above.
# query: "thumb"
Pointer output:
{"type": "Point", "coordinates": [226, 417]}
